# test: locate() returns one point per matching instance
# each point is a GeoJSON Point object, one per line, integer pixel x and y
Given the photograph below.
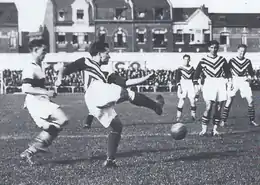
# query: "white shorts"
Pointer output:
{"type": "Point", "coordinates": [188, 89]}
{"type": "Point", "coordinates": [100, 99]}
{"type": "Point", "coordinates": [214, 89]}
{"type": "Point", "coordinates": [40, 109]}
{"type": "Point", "coordinates": [240, 84]}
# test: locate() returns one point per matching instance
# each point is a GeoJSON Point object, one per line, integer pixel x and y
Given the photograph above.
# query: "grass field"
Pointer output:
{"type": "Point", "coordinates": [147, 155]}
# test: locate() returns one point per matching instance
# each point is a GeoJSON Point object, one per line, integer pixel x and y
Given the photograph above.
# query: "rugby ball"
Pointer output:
{"type": "Point", "coordinates": [178, 131]}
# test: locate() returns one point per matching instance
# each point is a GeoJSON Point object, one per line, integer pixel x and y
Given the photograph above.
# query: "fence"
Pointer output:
{"type": "Point", "coordinates": [11, 81]}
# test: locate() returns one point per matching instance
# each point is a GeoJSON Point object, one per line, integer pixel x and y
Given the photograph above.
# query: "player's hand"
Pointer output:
{"type": "Point", "coordinates": [180, 89]}
{"type": "Point", "coordinates": [230, 86]}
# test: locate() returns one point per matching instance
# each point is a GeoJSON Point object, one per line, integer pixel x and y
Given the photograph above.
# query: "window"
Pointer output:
{"type": "Point", "coordinates": [86, 38]}
{"type": "Point", "coordinates": [74, 39]}
{"type": "Point", "coordinates": [206, 37]}
{"type": "Point", "coordinates": [140, 37]}
{"type": "Point", "coordinates": [179, 36]}
{"type": "Point", "coordinates": [80, 14]}
{"type": "Point", "coordinates": [159, 13]}
{"type": "Point", "coordinates": [119, 14]}
{"type": "Point", "coordinates": [102, 37]}
{"type": "Point", "coordinates": [223, 39]}
{"type": "Point", "coordinates": [61, 16]}
{"type": "Point", "coordinates": [61, 39]}
{"type": "Point", "coordinates": [192, 37]}
{"type": "Point", "coordinates": [12, 40]}
{"type": "Point", "coordinates": [158, 40]}
{"type": "Point", "coordinates": [120, 40]}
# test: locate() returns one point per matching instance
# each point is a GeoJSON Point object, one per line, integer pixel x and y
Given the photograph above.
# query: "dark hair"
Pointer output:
{"type": "Point", "coordinates": [98, 47]}
{"type": "Point", "coordinates": [213, 42]}
{"type": "Point", "coordinates": [186, 55]}
{"type": "Point", "coordinates": [242, 46]}
{"type": "Point", "coordinates": [35, 43]}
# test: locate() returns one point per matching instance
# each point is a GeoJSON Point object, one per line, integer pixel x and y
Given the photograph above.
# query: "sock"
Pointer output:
{"type": "Point", "coordinates": [113, 142]}
{"type": "Point", "coordinates": [89, 120]}
{"type": "Point", "coordinates": [216, 120]}
{"type": "Point", "coordinates": [225, 113]}
{"type": "Point", "coordinates": [251, 113]}
{"type": "Point", "coordinates": [205, 120]}
{"type": "Point", "coordinates": [179, 112]}
{"type": "Point", "coordinates": [193, 111]}
{"type": "Point", "coordinates": [143, 101]}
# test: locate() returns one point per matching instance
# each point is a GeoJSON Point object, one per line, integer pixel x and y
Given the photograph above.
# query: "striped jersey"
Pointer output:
{"type": "Point", "coordinates": [92, 70]}
{"type": "Point", "coordinates": [212, 67]}
{"type": "Point", "coordinates": [241, 67]}
{"type": "Point", "coordinates": [184, 72]}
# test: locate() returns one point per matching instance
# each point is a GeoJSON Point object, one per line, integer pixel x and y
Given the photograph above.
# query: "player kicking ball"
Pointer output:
{"type": "Point", "coordinates": [87, 123]}
{"type": "Point", "coordinates": [101, 97]}
{"type": "Point", "coordinates": [240, 67]}
{"type": "Point", "coordinates": [186, 88]}
{"type": "Point", "coordinates": [216, 71]}
{"type": "Point", "coordinates": [47, 115]}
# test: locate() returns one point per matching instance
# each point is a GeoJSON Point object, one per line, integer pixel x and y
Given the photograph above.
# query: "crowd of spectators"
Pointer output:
{"type": "Point", "coordinates": [164, 80]}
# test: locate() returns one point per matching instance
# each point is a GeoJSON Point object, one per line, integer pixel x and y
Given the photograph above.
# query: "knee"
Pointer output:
{"type": "Point", "coordinates": [116, 126]}
{"type": "Point", "coordinates": [250, 102]}
{"type": "Point", "coordinates": [59, 118]}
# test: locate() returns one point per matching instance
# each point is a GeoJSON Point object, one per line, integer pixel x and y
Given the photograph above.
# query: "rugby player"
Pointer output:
{"type": "Point", "coordinates": [243, 74]}
{"type": "Point", "coordinates": [47, 115]}
{"type": "Point", "coordinates": [216, 70]}
{"type": "Point", "coordinates": [101, 96]}
{"type": "Point", "coordinates": [186, 88]}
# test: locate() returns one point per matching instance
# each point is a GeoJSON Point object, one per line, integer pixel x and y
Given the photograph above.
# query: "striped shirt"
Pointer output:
{"type": "Point", "coordinates": [184, 72]}
{"type": "Point", "coordinates": [241, 67]}
{"type": "Point", "coordinates": [216, 67]}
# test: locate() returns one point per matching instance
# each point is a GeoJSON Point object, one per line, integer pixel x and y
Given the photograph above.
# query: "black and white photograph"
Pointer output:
{"type": "Point", "coordinates": [129, 92]}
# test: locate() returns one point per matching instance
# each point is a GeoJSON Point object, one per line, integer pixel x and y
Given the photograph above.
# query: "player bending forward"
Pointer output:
{"type": "Point", "coordinates": [111, 78]}
{"type": "Point", "coordinates": [184, 80]}
{"type": "Point", "coordinates": [240, 67]}
{"type": "Point", "coordinates": [47, 115]}
{"type": "Point", "coordinates": [214, 68]}
{"type": "Point", "coordinates": [101, 97]}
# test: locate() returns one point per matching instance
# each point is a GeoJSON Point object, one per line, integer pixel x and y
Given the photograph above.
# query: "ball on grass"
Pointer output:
{"type": "Point", "coordinates": [178, 131]}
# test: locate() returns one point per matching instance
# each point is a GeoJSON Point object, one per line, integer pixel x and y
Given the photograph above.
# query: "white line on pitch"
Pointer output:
{"type": "Point", "coordinates": [21, 137]}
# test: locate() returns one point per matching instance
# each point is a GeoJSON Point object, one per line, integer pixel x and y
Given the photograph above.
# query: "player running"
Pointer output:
{"type": "Point", "coordinates": [47, 115]}
{"type": "Point", "coordinates": [184, 80]}
{"type": "Point", "coordinates": [101, 97]}
{"type": "Point", "coordinates": [240, 68]}
{"type": "Point", "coordinates": [216, 70]}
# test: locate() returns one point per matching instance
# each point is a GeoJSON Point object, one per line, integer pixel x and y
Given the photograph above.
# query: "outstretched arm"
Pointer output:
{"type": "Point", "coordinates": [137, 81]}
{"type": "Point", "coordinates": [116, 79]}
{"type": "Point", "coordinates": [72, 67]}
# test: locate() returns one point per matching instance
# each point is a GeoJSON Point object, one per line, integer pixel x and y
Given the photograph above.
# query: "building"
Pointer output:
{"type": "Point", "coordinates": [8, 28]}
{"type": "Point", "coordinates": [74, 25]}
{"type": "Point", "coordinates": [114, 24]}
{"type": "Point", "coordinates": [233, 29]}
{"type": "Point", "coordinates": [152, 26]}
{"type": "Point", "coordinates": [191, 29]}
